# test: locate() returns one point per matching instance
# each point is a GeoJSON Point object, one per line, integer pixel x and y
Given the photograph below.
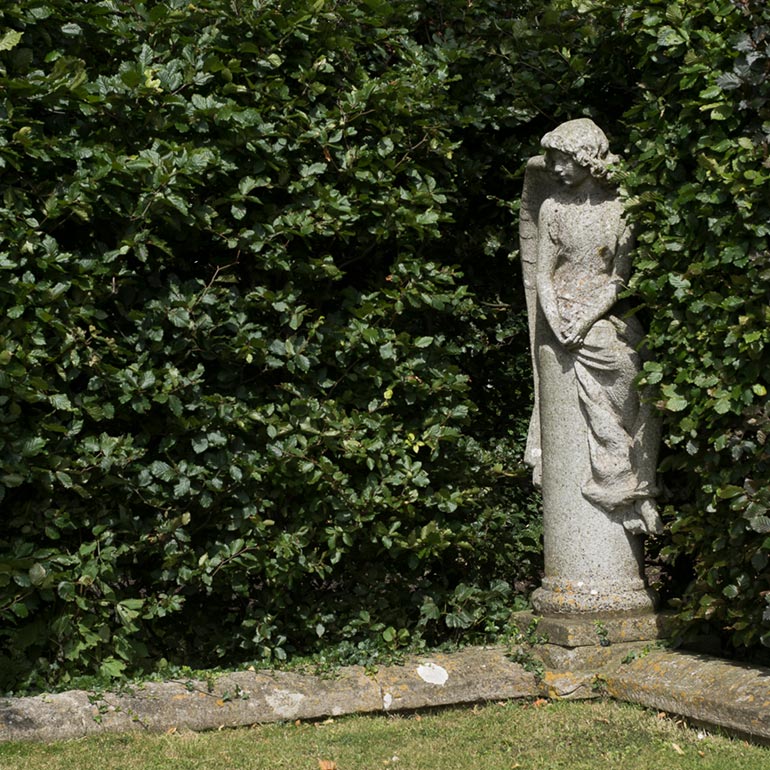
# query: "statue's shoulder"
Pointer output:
{"type": "Point", "coordinates": [537, 180]}
{"type": "Point", "coordinates": [550, 205]}
{"type": "Point", "coordinates": [549, 209]}
{"type": "Point", "coordinates": [538, 185]}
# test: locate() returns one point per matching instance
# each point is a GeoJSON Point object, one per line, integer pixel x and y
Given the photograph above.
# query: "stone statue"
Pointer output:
{"type": "Point", "coordinates": [592, 443]}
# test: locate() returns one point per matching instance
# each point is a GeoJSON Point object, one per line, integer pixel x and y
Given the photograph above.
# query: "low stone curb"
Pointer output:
{"type": "Point", "coordinates": [248, 697]}
{"type": "Point", "coordinates": [708, 690]}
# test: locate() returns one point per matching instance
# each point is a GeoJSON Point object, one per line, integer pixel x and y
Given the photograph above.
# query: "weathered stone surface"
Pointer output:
{"type": "Point", "coordinates": [559, 659]}
{"type": "Point", "coordinates": [470, 676]}
{"type": "Point", "coordinates": [709, 690]}
{"type": "Point", "coordinates": [592, 442]}
{"type": "Point", "coordinates": [48, 717]}
{"type": "Point", "coordinates": [597, 629]}
{"type": "Point", "coordinates": [249, 697]}
{"type": "Point", "coordinates": [242, 698]}
{"type": "Point", "coordinates": [570, 685]}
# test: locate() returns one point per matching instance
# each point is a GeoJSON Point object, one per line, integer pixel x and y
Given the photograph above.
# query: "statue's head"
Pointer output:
{"type": "Point", "coordinates": [584, 142]}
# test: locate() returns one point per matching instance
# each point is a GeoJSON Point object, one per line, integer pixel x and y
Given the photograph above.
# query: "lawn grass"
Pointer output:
{"type": "Point", "coordinates": [536, 736]}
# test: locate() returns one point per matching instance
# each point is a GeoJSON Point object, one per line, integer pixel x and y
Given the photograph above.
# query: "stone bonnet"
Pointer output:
{"type": "Point", "coordinates": [584, 141]}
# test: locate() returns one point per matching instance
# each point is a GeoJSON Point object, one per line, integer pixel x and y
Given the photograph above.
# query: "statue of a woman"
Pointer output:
{"type": "Point", "coordinates": [590, 438]}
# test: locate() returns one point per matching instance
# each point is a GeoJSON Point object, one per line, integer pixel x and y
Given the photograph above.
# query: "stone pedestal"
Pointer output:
{"type": "Point", "coordinates": [575, 647]}
{"type": "Point", "coordinates": [592, 563]}
{"type": "Point", "coordinates": [592, 443]}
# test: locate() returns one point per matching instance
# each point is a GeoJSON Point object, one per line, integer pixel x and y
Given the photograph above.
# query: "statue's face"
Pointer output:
{"type": "Point", "coordinates": [565, 168]}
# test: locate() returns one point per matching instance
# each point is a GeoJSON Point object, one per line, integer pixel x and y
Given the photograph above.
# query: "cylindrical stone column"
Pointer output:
{"type": "Point", "coordinates": [592, 563]}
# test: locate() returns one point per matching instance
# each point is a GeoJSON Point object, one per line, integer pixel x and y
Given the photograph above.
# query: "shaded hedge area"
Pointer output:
{"type": "Point", "coordinates": [700, 187]}
{"type": "Point", "coordinates": [690, 82]}
{"type": "Point", "coordinates": [242, 359]}
{"type": "Point", "coordinates": [264, 376]}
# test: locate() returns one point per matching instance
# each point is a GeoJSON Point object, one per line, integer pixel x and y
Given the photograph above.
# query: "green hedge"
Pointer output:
{"type": "Point", "coordinates": [242, 369]}
{"type": "Point", "coordinates": [701, 189]}
{"type": "Point", "coordinates": [264, 374]}
{"type": "Point", "coordinates": [688, 82]}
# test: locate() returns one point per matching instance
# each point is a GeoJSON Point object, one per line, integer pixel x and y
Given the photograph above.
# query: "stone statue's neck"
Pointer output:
{"type": "Point", "coordinates": [590, 191]}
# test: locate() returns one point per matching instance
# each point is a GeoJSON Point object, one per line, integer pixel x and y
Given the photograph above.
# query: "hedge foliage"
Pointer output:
{"type": "Point", "coordinates": [701, 189]}
{"type": "Point", "coordinates": [264, 369]}
{"type": "Point", "coordinates": [690, 83]}
{"type": "Point", "coordinates": [240, 360]}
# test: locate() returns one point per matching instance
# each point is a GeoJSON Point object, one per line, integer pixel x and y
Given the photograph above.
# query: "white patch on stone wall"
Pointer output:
{"type": "Point", "coordinates": [432, 674]}
{"type": "Point", "coordinates": [387, 701]}
{"type": "Point", "coordinates": [285, 703]}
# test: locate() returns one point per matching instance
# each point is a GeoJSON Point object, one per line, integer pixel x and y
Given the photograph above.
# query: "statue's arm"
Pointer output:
{"type": "Point", "coordinates": [546, 267]}
{"type": "Point", "coordinates": [603, 302]}
{"type": "Point", "coordinates": [622, 264]}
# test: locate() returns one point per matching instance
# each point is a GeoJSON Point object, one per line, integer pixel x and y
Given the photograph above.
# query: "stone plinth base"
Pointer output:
{"type": "Point", "coordinates": [568, 645]}
{"type": "Point", "coordinates": [564, 597]}
{"type": "Point", "coordinates": [598, 629]}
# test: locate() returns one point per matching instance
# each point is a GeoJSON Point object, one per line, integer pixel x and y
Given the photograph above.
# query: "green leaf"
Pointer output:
{"type": "Point", "coordinates": [676, 403]}
{"type": "Point", "coordinates": [37, 574]}
{"type": "Point", "coordinates": [112, 668]}
{"type": "Point", "coordinates": [10, 40]}
{"type": "Point", "coordinates": [66, 590]}
{"type": "Point", "coordinates": [729, 492]}
{"type": "Point", "coordinates": [760, 524]}
{"type": "Point", "coordinates": [33, 446]}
